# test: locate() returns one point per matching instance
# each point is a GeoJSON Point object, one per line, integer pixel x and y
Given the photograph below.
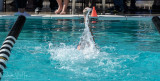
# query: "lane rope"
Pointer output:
{"type": "Point", "coordinates": [10, 40]}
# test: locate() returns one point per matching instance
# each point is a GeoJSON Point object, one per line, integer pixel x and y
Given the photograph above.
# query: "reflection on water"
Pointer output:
{"type": "Point", "coordinates": [128, 50]}
{"type": "Point", "coordinates": [141, 32]}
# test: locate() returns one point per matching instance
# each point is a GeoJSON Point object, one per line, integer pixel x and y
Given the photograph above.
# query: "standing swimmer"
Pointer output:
{"type": "Point", "coordinates": [82, 44]}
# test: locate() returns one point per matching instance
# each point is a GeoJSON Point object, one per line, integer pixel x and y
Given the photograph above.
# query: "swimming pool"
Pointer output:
{"type": "Point", "coordinates": [128, 49]}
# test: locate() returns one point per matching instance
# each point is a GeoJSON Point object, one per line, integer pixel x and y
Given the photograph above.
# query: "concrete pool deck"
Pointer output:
{"type": "Point", "coordinates": [50, 15]}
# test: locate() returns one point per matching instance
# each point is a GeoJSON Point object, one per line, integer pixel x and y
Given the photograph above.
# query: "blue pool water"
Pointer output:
{"type": "Point", "coordinates": [127, 50]}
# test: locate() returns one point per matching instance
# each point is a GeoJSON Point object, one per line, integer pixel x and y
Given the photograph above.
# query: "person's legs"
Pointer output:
{"type": "Point", "coordinates": [30, 4]}
{"type": "Point", "coordinates": [93, 3]}
{"type": "Point", "coordinates": [60, 6]}
{"type": "Point", "coordinates": [53, 5]}
{"type": "Point", "coordinates": [133, 7]}
{"type": "Point", "coordinates": [86, 3]}
{"type": "Point", "coordinates": [133, 4]}
{"type": "Point", "coordinates": [156, 5]}
{"type": "Point", "coordinates": [125, 5]}
{"type": "Point", "coordinates": [39, 5]}
{"type": "Point", "coordinates": [116, 4]}
{"type": "Point", "coordinates": [65, 5]}
{"type": "Point", "coordinates": [13, 3]}
{"type": "Point", "coordinates": [121, 3]}
{"type": "Point", "coordinates": [21, 4]}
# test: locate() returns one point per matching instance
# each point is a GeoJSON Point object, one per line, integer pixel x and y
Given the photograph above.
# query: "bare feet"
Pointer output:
{"type": "Point", "coordinates": [63, 13]}
{"type": "Point", "coordinates": [58, 10]}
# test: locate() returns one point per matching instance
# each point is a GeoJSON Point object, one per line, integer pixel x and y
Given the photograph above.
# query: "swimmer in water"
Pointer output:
{"type": "Point", "coordinates": [83, 42]}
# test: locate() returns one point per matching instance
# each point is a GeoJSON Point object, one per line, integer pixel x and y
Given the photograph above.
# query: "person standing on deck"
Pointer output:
{"type": "Point", "coordinates": [62, 7]}
{"type": "Point", "coordinates": [21, 5]}
{"type": "Point", "coordinates": [92, 2]}
{"type": "Point", "coordinates": [39, 5]}
{"type": "Point", "coordinates": [119, 5]}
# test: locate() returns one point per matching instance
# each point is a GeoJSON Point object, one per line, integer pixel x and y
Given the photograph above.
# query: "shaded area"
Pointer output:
{"type": "Point", "coordinates": [129, 6]}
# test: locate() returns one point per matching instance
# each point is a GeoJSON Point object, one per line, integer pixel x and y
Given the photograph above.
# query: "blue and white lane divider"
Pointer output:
{"type": "Point", "coordinates": [10, 40]}
{"type": "Point", "coordinates": [156, 21]}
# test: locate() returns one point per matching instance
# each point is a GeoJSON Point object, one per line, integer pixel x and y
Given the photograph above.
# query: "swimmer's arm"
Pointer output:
{"type": "Point", "coordinates": [91, 33]}
{"type": "Point", "coordinates": [79, 47]}
{"type": "Point", "coordinates": [85, 13]}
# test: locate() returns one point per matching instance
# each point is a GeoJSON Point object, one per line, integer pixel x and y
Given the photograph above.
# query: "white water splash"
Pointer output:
{"type": "Point", "coordinates": [71, 59]}
{"type": "Point", "coordinates": [88, 61]}
{"type": "Point", "coordinates": [75, 60]}
{"type": "Point", "coordinates": [87, 40]}
{"type": "Point", "coordinates": [69, 53]}
{"type": "Point", "coordinates": [91, 65]}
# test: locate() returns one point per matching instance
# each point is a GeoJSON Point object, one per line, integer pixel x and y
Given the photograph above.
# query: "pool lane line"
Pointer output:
{"type": "Point", "coordinates": [10, 40]}
{"type": "Point", "coordinates": [156, 21]}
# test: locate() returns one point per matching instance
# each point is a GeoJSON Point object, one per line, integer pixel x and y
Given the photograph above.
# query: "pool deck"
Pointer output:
{"type": "Point", "coordinates": [51, 13]}
{"type": "Point", "coordinates": [79, 16]}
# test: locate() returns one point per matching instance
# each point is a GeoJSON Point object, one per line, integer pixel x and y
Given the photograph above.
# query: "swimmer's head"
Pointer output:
{"type": "Point", "coordinates": [89, 9]}
{"type": "Point", "coordinates": [86, 10]}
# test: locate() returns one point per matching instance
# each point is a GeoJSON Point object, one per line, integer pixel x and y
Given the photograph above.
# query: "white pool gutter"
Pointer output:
{"type": "Point", "coordinates": [100, 17]}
